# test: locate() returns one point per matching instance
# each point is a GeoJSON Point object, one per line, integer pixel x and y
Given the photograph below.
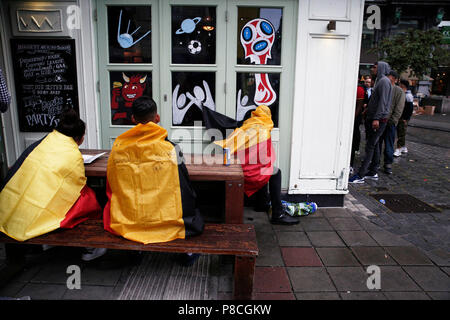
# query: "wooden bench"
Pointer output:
{"type": "Point", "coordinates": [238, 240]}
{"type": "Point", "coordinates": [200, 168]}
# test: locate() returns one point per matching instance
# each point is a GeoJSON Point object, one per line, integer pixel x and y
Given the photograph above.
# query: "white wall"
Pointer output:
{"type": "Point", "coordinates": [326, 75]}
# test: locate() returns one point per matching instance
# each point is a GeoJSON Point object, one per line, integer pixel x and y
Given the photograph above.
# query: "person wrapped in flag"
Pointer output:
{"type": "Point", "coordinates": [46, 187]}
{"type": "Point", "coordinates": [150, 198]}
{"type": "Point", "coordinates": [251, 142]}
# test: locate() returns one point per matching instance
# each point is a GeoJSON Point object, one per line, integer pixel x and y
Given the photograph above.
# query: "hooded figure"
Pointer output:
{"type": "Point", "coordinates": [380, 101]}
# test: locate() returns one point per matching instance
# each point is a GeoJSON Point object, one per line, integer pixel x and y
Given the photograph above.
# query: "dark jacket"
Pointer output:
{"type": "Point", "coordinates": [379, 105]}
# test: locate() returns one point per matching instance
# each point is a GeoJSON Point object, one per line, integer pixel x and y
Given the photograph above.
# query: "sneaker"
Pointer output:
{"type": "Point", "coordinates": [404, 149]}
{"type": "Point", "coordinates": [371, 177]}
{"type": "Point", "coordinates": [387, 170]}
{"type": "Point", "coordinates": [397, 153]}
{"type": "Point", "coordinates": [356, 179]}
{"type": "Point", "coordinates": [93, 253]}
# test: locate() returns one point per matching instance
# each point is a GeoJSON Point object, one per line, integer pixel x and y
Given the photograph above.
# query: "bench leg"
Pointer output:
{"type": "Point", "coordinates": [244, 271]}
{"type": "Point", "coordinates": [234, 201]}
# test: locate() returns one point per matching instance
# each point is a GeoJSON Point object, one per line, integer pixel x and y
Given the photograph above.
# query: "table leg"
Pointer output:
{"type": "Point", "coordinates": [234, 201]}
{"type": "Point", "coordinates": [244, 271]}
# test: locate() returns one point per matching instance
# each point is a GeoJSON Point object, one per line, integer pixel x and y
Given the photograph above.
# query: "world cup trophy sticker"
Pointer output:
{"type": "Point", "coordinates": [257, 37]}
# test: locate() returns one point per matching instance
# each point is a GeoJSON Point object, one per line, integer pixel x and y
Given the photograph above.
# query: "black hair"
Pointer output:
{"type": "Point", "coordinates": [71, 125]}
{"type": "Point", "coordinates": [393, 73]}
{"type": "Point", "coordinates": [144, 109]}
{"type": "Point", "coordinates": [405, 83]}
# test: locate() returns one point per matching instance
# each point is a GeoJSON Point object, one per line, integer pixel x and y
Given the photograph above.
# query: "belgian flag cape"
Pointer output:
{"type": "Point", "coordinates": [150, 198]}
{"type": "Point", "coordinates": [250, 141]}
{"type": "Point", "coordinates": [46, 189]}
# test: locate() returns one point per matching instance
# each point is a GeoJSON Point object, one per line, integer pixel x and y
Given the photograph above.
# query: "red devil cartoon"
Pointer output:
{"type": "Point", "coordinates": [124, 95]}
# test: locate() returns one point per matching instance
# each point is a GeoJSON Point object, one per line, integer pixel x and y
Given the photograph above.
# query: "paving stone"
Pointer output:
{"type": "Point", "coordinates": [289, 228]}
{"type": "Point", "coordinates": [335, 212]}
{"type": "Point", "coordinates": [367, 224]}
{"type": "Point", "coordinates": [271, 279]}
{"type": "Point", "coordinates": [386, 239]}
{"type": "Point", "coordinates": [362, 296]}
{"type": "Point", "coordinates": [406, 296]}
{"type": "Point", "coordinates": [337, 257]}
{"type": "Point", "coordinates": [325, 239]}
{"type": "Point", "coordinates": [293, 239]}
{"type": "Point", "coordinates": [396, 279]}
{"type": "Point", "coordinates": [300, 257]}
{"type": "Point", "coordinates": [439, 295]}
{"type": "Point", "coordinates": [408, 256]}
{"type": "Point", "coordinates": [357, 238]}
{"type": "Point", "coordinates": [307, 279]}
{"type": "Point", "coordinates": [273, 296]}
{"type": "Point", "coordinates": [269, 256]}
{"type": "Point", "coordinates": [11, 289]}
{"type": "Point", "coordinates": [94, 276]}
{"type": "Point", "coordinates": [89, 293]}
{"type": "Point", "coordinates": [43, 291]}
{"type": "Point", "coordinates": [319, 224]}
{"type": "Point", "coordinates": [439, 256]}
{"type": "Point", "coordinates": [317, 296]}
{"type": "Point", "coordinates": [429, 278]}
{"type": "Point", "coordinates": [52, 273]}
{"type": "Point", "coordinates": [344, 224]}
{"type": "Point", "coordinates": [349, 278]}
{"type": "Point", "coordinates": [373, 256]}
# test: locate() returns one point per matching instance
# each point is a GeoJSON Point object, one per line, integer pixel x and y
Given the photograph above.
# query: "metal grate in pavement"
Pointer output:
{"type": "Point", "coordinates": [404, 203]}
{"type": "Point", "coordinates": [160, 277]}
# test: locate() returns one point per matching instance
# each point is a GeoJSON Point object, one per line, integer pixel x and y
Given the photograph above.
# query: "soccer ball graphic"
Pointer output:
{"type": "Point", "coordinates": [194, 47]}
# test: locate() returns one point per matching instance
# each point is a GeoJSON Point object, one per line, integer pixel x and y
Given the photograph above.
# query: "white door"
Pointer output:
{"type": "Point", "coordinates": [325, 95]}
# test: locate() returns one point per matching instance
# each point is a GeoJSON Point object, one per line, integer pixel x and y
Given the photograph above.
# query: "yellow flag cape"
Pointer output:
{"type": "Point", "coordinates": [254, 130]}
{"type": "Point", "coordinates": [44, 188]}
{"type": "Point", "coordinates": [145, 198]}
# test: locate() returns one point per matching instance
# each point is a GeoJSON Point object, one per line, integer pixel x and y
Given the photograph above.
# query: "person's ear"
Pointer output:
{"type": "Point", "coordinates": [157, 118]}
{"type": "Point", "coordinates": [80, 141]}
{"type": "Point", "coordinates": [133, 119]}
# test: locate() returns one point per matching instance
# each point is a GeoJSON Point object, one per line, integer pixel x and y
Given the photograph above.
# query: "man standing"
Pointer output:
{"type": "Point", "coordinates": [377, 116]}
{"type": "Point", "coordinates": [398, 103]}
{"type": "Point", "coordinates": [403, 122]}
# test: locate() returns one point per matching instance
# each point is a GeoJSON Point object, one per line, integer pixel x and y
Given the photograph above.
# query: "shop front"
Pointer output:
{"type": "Point", "coordinates": [298, 57]}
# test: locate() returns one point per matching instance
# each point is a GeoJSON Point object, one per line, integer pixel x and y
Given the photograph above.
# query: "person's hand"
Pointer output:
{"type": "Point", "coordinates": [405, 121]}
{"type": "Point", "coordinates": [375, 124]}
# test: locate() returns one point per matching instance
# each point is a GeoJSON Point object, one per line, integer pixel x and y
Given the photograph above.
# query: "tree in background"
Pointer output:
{"type": "Point", "coordinates": [415, 51]}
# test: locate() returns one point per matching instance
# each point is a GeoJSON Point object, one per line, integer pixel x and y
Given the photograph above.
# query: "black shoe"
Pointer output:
{"type": "Point", "coordinates": [283, 218]}
{"type": "Point", "coordinates": [388, 170]}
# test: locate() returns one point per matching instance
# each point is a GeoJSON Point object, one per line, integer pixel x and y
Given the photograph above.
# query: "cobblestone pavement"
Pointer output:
{"type": "Point", "coordinates": [424, 172]}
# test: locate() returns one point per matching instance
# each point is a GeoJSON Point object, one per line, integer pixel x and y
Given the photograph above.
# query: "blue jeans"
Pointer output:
{"type": "Point", "coordinates": [389, 140]}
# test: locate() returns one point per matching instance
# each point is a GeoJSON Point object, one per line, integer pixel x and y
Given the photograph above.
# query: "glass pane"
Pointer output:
{"type": "Point", "coordinates": [193, 35]}
{"type": "Point", "coordinates": [249, 97]}
{"type": "Point", "coordinates": [259, 35]}
{"type": "Point", "coordinates": [125, 88]}
{"type": "Point", "coordinates": [192, 91]}
{"type": "Point", "coordinates": [129, 34]}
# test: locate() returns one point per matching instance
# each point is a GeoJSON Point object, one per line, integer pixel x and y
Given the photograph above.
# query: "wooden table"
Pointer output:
{"type": "Point", "coordinates": [200, 168]}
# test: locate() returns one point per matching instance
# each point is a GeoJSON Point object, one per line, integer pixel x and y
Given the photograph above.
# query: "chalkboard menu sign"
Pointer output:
{"type": "Point", "coordinates": [46, 81]}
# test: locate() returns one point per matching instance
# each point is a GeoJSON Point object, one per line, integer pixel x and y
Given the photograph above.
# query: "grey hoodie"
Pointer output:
{"type": "Point", "coordinates": [380, 101]}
